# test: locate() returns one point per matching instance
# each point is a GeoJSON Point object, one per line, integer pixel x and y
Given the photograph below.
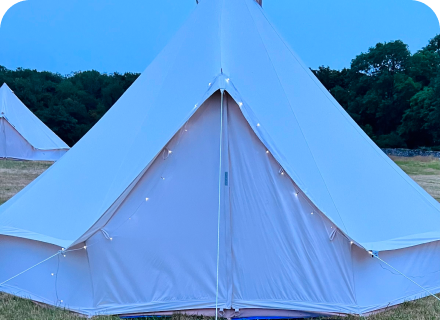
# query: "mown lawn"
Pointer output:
{"type": "Point", "coordinates": [15, 175]}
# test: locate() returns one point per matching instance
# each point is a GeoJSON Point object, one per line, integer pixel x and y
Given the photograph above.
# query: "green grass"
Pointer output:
{"type": "Point", "coordinates": [15, 175]}
{"type": "Point", "coordinates": [13, 308]}
{"type": "Point", "coordinates": [418, 165]}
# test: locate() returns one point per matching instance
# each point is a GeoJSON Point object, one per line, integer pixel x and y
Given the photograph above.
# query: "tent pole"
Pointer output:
{"type": "Point", "coordinates": [219, 200]}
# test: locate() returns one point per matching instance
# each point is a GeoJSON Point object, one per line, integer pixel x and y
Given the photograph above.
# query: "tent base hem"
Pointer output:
{"type": "Point", "coordinates": [251, 313]}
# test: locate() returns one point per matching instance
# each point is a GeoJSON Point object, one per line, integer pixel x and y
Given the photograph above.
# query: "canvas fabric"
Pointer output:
{"type": "Point", "coordinates": [22, 135]}
{"type": "Point", "coordinates": [288, 150]}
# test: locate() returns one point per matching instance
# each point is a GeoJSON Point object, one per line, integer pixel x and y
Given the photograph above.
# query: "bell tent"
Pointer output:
{"type": "Point", "coordinates": [225, 179]}
{"type": "Point", "coordinates": [22, 135]}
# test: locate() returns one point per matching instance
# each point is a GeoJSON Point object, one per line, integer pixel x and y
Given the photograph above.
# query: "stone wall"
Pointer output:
{"type": "Point", "coordinates": [411, 153]}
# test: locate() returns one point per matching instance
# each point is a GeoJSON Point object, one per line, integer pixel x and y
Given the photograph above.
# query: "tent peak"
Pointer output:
{"type": "Point", "coordinates": [5, 86]}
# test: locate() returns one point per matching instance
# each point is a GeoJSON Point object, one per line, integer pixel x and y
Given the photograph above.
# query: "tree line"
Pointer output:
{"type": "Point", "coordinates": [69, 105]}
{"type": "Point", "coordinates": [392, 94]}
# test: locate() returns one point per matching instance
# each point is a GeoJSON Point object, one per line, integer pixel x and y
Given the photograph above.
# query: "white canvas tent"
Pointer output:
{"type": "Point", "coordinates": [227, 176]}
{"type": "Point", "coordinates": [22, 135]}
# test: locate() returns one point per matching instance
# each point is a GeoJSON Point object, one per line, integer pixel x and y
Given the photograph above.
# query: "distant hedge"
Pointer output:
{"type": "Point", "coordinates": [69, 105]}
{"type": "Point", "coordinates": [392, 94]}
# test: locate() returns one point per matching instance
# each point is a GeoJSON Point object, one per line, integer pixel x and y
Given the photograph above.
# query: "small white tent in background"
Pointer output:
{"type": "Point", "coordinates": [226, 178]}
{"type": "Point", "coordinates": [22, 135]}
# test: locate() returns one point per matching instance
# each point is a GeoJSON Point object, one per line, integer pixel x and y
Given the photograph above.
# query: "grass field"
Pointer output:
{"type": "Point", "coordinates": [15, 175]}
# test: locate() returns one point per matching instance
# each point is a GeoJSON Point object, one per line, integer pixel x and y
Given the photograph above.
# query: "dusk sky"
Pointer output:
{"type": "Point", "coordinates": [125, 35]}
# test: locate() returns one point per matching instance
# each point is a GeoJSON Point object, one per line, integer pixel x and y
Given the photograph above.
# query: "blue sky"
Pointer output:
{"type": "Point", "coordinates": [125, 35]}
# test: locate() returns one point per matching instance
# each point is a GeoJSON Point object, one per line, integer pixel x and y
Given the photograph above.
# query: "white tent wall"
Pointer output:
{"type": "Point", "coordinates": [284, 256]}
{"type": "Point", "coordinates": [339, 168]}
{"type": "Point", "coordinates": [273, 252]}
{"type": "Point", "coordinates": [14, 146]}
{"type": "Point", "coordinates": [12, 143]}
{"type": "Point", "coordinates": [161, 254]}
{"type": "Point", "coordinates": [378, 286]}
{"type": "Point", "coordinates": [2, 138]}
{"type": "Point", "coordinates": [61, 281]}
{"type": "Point", "coordinates": [271, 247]}
{"type": "Point", "coordinates": [25, 137]}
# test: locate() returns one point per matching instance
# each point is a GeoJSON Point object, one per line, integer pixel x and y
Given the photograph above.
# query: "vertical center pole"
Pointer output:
{"type": "Point", "coordinates": [219, 200]}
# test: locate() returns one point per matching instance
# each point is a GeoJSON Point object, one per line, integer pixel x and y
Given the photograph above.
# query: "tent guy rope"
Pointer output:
{"type": "Point", "coordinates": [376, 255]}
{"type": "Point", "coordinates": [36, 265]}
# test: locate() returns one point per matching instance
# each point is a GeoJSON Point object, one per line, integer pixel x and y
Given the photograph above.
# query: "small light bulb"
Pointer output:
{"type": "Point", "coordinates": [146, 199]}
{"type": "Point", "coordinates": [312, 213]}
{"type": "Point", "coordinates": [62, 249]}
{"type": "Point", "coordinates": [64, 255]}
{"type": "Point", "coordinates": [209, 84]}
{"type": "Point", "coordinates": [51, 274]}
{"type": "Point", "coordinates": [331, 227]}
{"type": "Point", "coordinates": [85, 247]}
{"type": "Point", "coordinates": [351, 242]}
{"type": "Point", "coordinates": [186, 130]}
{"type": "Point", "coordinates": [163, 178]}
{"type": "Point", "coordinates": [370, 252]}
{"type": "Point", "coordinates": [258, 124]}
{"type": "Point", "coordinates": [169, 151]}
{"type": "Point", "coordinates": [296, 194]}
{"type": "Point", "coordinates": [227, 80]}
{"type": "Point", "coordinates": [282, 173]}
{"type": "Point", "coordinates": [240, 104]}
{"type": "Point", "coordinates": [111, 239]}
{"type": "Point", "coordinates": [61, 300]}
{"type": "Point", "coordinates": [267, 151]}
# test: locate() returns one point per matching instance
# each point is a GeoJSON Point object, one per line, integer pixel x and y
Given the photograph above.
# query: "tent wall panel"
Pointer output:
{"type": "Point", "coordinates": [62, 281]}
{"type": "Point", "coordinates": [267, 213]}
{"type": "Point", "coordinates": [14, 146]}
{"type": "Point", "coordinates": [2, 138]}
{"type": "Point", "coordinates": [379, 286]}
{"type": "Point", "coordinates": [251, 274]}
{"type": "Point", "coordinates": [162, 253]}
